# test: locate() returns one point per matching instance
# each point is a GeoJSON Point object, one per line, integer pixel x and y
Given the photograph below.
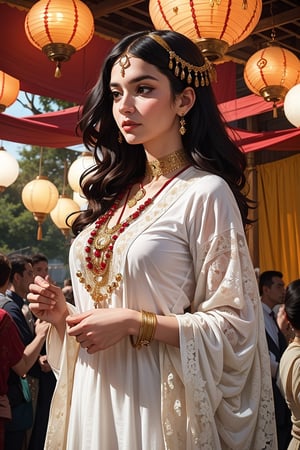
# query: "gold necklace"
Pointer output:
{"type": "Point", "coordinates": [96, 275]}
{"type": "Point", "coordinates": [158, 167]}
{"type": "Point", "coordinates": [167, 164]}
{"type": "Point", "coordinates": [137, 197]}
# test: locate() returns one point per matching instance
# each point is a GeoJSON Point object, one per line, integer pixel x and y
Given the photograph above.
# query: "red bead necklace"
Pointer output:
{"type": "Point", "coordinates": [100, 245]}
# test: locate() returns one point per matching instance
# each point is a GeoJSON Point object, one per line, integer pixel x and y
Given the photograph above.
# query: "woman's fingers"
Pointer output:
{"type": "Point", "coordinates": [42, 294]}
{"type": "Point", "coordinates": [43, 287]}
{"type": "Point", "coordinates": [41, 299]}
{"type": "Point", "coordinates": [85, 342]}
{"type": "Point", "coordinates": [77, 318]}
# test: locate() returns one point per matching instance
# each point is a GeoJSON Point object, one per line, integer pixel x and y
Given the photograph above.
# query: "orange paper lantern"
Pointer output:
{"type": "Point", "coordinates": [9, 90]}
{"type": "Point", "coordinates": [213, 25]}
{"type": "Point", "coordinates": [59, 28]}
{"type": "Point", "coordinates": [271, 72]}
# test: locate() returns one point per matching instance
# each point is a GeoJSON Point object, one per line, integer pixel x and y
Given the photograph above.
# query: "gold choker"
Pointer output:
{"type": "Point", "coordinates": [167, 164]}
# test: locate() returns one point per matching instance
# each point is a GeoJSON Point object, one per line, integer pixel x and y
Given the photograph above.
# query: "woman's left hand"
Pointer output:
{"type": "Point", "coordinates": [98, 329]}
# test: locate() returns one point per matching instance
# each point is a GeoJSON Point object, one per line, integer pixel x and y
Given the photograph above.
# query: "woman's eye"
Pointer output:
{"type": "Point", "coordinates": [115, 95]}
{"type": "Point", "coordinates": [144, 89]}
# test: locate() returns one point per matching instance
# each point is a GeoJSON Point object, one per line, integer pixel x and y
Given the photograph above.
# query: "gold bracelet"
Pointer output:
{"type": "Point", "coordinates": [146, 331]}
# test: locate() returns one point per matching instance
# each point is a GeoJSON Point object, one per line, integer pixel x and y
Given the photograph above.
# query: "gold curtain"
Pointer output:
{"type": "Point", "coordinates": [278, 185]}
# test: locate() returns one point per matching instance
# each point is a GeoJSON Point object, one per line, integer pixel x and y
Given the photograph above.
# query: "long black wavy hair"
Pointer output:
{"type": "Point", "coordinates": [119, 164]}
{"type": "Point", "coordinates": [292, 303]}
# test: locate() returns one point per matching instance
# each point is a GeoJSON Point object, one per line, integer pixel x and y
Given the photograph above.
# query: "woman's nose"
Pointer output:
{"type": "Point", "coordinates": [126, 104]}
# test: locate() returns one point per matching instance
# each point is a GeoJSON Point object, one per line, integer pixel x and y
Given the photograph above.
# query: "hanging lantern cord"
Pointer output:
{"type": "Point", "coordinates": [41, 161]}
{"type": "Point", "coordinates": [273, 32]}
{"type": "Point", "coordinates": [275, 112]}
{"type": "Point", "coordinates": [65, 177]}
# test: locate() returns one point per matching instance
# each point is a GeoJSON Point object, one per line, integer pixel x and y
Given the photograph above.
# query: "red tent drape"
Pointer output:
{"type": "Point", "coordinates": [59, 130]}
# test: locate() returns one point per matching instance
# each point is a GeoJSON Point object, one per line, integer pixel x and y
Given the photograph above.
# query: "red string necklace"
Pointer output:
{"type": "Point", "coordinates": [100, 244]}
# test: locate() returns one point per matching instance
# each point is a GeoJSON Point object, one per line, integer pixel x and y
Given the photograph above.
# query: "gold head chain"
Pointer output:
{"type": "Point", "coordinates": [204, 72]}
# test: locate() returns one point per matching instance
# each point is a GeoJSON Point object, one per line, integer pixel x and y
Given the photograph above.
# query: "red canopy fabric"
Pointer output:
{"type": "Point", "coordinates": [36, 74]}
{"type": "Point", "coordinates": [56, 130]}
{"type": "Point", "coordinates": [59, 130]}
{"type": "Point", "coordinates": [248, 106]}
{"type": "Point", "coordinates": [285, 140]}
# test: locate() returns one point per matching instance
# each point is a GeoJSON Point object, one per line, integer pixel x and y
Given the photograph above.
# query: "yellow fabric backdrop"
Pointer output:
{"type": "Point", "coordinates": [278, 193]}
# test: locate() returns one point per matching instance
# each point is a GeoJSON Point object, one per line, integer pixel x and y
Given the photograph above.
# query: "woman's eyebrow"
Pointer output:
{"type": "Point", "coordinates": [137, 80]}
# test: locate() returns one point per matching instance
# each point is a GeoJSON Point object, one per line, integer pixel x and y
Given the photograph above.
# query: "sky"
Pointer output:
{"type": "Point", "coordinates": [16, 110]}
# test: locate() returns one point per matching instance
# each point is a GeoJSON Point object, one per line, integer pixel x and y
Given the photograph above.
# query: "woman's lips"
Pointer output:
{"type": "Point", "coordinates": [129, 126]}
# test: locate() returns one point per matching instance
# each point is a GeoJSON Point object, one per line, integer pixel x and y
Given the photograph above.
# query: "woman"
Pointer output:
{"type": "Point", "coordinates": [289, 367]}
{"type": "Point", "coordinates": [166, 349]}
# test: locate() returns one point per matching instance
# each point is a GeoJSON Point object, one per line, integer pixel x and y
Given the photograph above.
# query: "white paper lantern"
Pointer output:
{"type": "Point", "coordinates": [40, 197]}
{"type": "Point", "coordinates": [65, 209]}
{"type": "Point", "coordinates": [77, 168]}
{"type": "Point", "coordinates": [9, 169]}
{"type": "Point", "coordinates": [80, 199]}
{"type": "Point", "coordinates": [292, 105]}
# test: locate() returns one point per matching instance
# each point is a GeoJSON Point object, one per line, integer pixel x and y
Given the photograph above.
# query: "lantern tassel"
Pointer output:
{"type": "Point", "coordinates": [275, 113]}
{"type": "Point", "coordinates": [39, 232]}
{"type": "Point", "coordinates": [57, 73]}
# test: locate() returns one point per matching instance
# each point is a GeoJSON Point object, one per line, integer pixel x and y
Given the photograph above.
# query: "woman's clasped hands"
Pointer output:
{"type": "Point", "coordinates": [98, 329]}
{"type": "Point", "coordinates": [94, 330]}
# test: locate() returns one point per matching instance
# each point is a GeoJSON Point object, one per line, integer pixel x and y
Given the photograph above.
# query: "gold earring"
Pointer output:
{"type": "Point", "coordinates": [120, 137]}
{"type": "Point", "coordinates": [182, 129]}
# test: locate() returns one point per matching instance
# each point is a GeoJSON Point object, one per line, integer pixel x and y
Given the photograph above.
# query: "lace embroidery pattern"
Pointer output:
{"type": "Point", "coordinates": [201, 406]}
{"type": "Point", "coordinates": [220, 258]}
{"type": "Point", "coordinates": [230, 281]}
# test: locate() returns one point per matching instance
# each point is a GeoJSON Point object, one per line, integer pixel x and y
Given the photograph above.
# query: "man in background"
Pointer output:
{"type": "Point", "coordinates": [40, 265]}
{"type": "Point", "coordinates": [21, 275]}
{"type": "Point", "coordinates": [47, 378]}
{"type": "Point", "coordinates": [272, 290]}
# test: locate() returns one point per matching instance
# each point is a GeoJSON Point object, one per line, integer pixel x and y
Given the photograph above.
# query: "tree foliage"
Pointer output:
{"type": "Point", "coordinates": [39, 105]}
{"type": "Point", "coordinates": [18, 229]}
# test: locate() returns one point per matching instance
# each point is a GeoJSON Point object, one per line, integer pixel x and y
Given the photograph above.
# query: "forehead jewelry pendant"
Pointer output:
{"type": "Point", "coordinates": [124, 63]}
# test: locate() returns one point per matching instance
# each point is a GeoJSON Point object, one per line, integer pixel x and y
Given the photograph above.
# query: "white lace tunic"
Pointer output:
{"type": "Point", "coordinates": [186, 252]}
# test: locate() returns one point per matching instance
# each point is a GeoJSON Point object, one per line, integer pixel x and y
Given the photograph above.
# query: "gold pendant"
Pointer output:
{"type": "Point", "coordinates": [137, 197]}
{"type": "Point", "coordinates": [102, 241]}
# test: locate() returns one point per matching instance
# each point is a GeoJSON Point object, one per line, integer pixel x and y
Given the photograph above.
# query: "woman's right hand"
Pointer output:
{"type": "Point", "coordinates": [47, 302]}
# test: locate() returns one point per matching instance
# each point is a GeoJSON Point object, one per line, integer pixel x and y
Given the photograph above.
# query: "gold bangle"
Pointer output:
{"type": "Point", "coordinates": [146, 331]}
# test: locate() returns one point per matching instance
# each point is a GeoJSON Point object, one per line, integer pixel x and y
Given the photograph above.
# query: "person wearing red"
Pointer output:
{"type": "Point", "coordinates": [11, 353]}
